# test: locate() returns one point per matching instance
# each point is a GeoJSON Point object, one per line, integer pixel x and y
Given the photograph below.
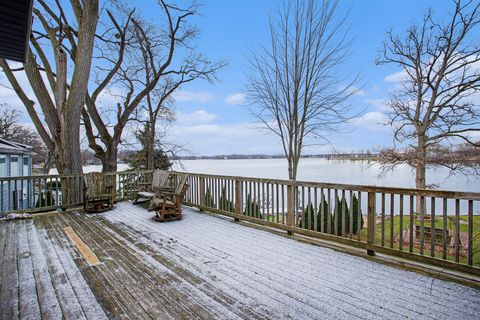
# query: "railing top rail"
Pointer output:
{"type": "Point", "coordinates": [365, 188]}
{"type": "Point", "coordinates": [71, 175]}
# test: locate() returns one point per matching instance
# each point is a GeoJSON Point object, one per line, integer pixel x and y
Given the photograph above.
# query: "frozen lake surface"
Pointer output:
{"type": "Point", "coordinates": [322, 170]}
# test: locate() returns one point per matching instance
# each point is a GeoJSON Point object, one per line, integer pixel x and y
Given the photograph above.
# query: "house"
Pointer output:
{"type": "Point", "coordinates": [15, 161]}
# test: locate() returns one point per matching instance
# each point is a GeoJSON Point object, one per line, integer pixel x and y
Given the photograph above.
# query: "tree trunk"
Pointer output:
{"type": "Point", "coordinates": [109, 161]}
{"type": "Point", "coordinates": [420, 170]}
{"type": "Point", "coordinates": [150, 148]}
{"type": "Point", "coordinates": [292, 168]}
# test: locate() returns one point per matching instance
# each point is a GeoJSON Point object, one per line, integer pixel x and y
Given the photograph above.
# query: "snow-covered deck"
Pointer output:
{"type": "Point", "coordinates": [202, 267]}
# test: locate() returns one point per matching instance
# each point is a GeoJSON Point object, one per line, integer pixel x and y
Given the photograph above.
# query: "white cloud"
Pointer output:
{"type": "Point", "coordinates": [214, 138]}
{"type": "Point", "coordinates": [379, 104]}
{"type": "Point", "coordinates": [235, 99]}
{"type": "Point", "coordinates": [195, 117]}
{"type": "Point", "coordinates": [397, 76]}
{"type": "Point", "coordinates": [193, 96]}
{"type": "Point", "coordinates": [372, 121]}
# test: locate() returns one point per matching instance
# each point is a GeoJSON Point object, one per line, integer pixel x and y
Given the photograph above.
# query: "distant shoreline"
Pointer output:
{"type": "Point", "coordinates": [337, 156]}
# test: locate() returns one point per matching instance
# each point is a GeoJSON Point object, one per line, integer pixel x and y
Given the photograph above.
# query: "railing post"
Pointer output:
{"type": "Point", "coordinates": [202, 192]}
{"type": "Point", "coordinates": [371, 223]}
{"type": "Point", "coordinates": [290, 207]}
{"type": "Point", "coordinates": [238, 198]}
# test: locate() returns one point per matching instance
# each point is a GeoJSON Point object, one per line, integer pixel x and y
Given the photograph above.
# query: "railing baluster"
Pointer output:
{"type": "Point", "coordinates": [422, 223]}
{"type": "Point", "coordinates": [351, 215]}
{"type": "Point", "coordinates": [21, 193]}
{"type": "Point", "coordinates": [302, 208]}
{"type": "Point", "coordinates": [277, 200]}
{"type": "Point", "coordinates": [432, 227]}
{"type": "Point", "coordinates": [343, 224]}
{"type": "Point", "coordinates": [309, 209]}
{"type": "Point", "coordinates": [382, 236]}
{"type": "Point", "coordinates": [322, 211]}
{"type": "Point", "coordinates": [1, 199]}
{"type": "Point", "coordinates": [392, 220]}
{"type": "Point", "coordinates": [410, 242]}
{"type": "Point", "coordinates": [400, 243]}
{"type": "Point", "coordinates": [359, 212]}
{"type": "Point", "coordinates": [283, 204]}
{"type": "Point", "coordinates": [470, 233]}
{"type": "Point", "coordinates": [444, 229]}
{"type": "Point", "coordinates": [457, 230]}
{"type": "Point", "coordinates": [336, 213]}
{"type": "Point", "coordinates": [329, 212]}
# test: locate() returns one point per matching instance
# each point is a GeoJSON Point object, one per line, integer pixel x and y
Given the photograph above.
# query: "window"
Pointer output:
{"type": "Point", "coordinates": [14, 167]}
{"type": "Point", "coordinates": [3, 166]}
{"type": "Point", "coordinates": [26, 166]}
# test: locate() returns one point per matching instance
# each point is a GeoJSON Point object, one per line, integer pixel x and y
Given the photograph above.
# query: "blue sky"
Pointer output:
{"type": "Point", "coordinates": [208, 123]}
{"type": "Point", "coordinates": [214, 118]}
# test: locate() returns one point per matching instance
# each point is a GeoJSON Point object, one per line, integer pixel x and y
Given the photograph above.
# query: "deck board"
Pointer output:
{"type": "Point", "coordinates": [202, 267]}
{"type": "Point", "coordinates": [29, 307]}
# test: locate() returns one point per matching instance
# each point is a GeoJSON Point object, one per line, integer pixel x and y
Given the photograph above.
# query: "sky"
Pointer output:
{"type": "Point", "coordinates": [214, 118]}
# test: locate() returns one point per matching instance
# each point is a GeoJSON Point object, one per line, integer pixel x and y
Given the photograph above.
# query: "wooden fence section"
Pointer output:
{"type": "Point", "coordinates": [437, 227]}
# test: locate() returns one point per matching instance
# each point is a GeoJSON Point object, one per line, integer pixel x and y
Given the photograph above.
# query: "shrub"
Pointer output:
{"type": "Point", "coordinates": [225, 204]}
{"type": "Point", "coordinates": [355, 215]}
{"type": "Point", "coordinates": [252, 209]}
{"type": "Point", "coordinates": [209, 201]}
{"type": "Point", "coordinates": [325, 217]}
{"type": "Point", "coordinates": [339, 217]}
{"type": "Point", "coordinates": [308, 218]}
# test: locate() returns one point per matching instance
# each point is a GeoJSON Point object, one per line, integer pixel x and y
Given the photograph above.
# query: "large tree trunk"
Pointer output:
{"type": "Point", "coordinates": [109, 161]}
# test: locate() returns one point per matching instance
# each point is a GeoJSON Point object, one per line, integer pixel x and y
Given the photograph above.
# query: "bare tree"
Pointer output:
{"type": "Point", "coordinates": [11, 129]}
{"type": "Point", "coordinates": [9, 117]}
{"type": "Point", "coordinates": [54, 38]}
{"type": "Point", "coordinates": [294, 85]}
{"type": "Point", "coordinates": [153, 112]}
{"type": "Point", "coordinates": [435, 104]}
{"type": "Point", "coordinates": [142, 58]}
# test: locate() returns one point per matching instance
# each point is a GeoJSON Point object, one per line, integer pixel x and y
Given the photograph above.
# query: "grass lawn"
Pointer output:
{"type": "Point", "coordinates": [438, 225]}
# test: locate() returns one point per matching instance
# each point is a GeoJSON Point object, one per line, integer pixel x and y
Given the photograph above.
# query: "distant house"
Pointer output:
{"type": "Point", "coordinates": [15, 161]}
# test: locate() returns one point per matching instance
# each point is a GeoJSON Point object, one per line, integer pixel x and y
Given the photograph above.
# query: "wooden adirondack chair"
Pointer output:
{"type": "Point", "coordinates": [98, 192]}
{"type": "Point", "coordinates": [148, 190]}
{"type": "Point", "coordinates": [168, 205]}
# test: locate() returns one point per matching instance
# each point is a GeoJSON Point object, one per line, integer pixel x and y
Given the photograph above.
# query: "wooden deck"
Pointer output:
{"type": "Point", "coordinates": [201, 267]}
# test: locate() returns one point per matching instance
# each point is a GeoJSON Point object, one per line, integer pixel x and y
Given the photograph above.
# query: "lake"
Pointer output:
{"type": "Point", "coordinates": [330, 171]}
{"type": "Point", "coordinates": [322, 170]}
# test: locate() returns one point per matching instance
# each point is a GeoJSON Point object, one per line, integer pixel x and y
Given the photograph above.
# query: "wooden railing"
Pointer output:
{"type": "Point", "coordinates": [50, 192]}
{"type": "Point", "coordinates": [437, 227]}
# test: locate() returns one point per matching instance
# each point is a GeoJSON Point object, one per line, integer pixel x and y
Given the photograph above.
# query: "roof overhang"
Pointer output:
{"type": "Point", "coordinates": [10, 147]}
{"type": "Point", "coordinates": [15, 28]}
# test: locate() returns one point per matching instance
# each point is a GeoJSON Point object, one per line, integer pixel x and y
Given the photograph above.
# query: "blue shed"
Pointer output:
{"type": "Point", "coordinates": [15, 161]}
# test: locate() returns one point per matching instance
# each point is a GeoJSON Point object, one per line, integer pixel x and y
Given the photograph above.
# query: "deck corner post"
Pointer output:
{"type": "Point", "coordinates": [238, 198]}
{"type": "Point", "coordinates": [290, 207]}
{"type": "Point", "coordinates": [371, 223]}
{"type": "Point", "coordinates": [202, 192]}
